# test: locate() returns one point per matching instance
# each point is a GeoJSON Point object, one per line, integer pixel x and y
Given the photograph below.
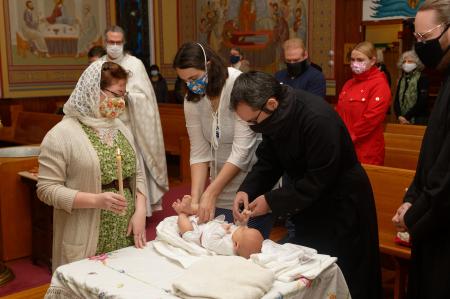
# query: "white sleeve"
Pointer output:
{"type": "Point", "coordinates": [244, 145]}
{"type": "Point", "coordinates": [218, 241]}
{"type": "Point", "coordinates": [200, 147]}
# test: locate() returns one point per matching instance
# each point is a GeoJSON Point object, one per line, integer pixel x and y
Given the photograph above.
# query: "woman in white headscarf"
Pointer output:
{"type": "Point", "coordinates": [78, 171]}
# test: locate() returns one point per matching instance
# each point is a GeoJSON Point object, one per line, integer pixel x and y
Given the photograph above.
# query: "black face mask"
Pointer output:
{"type": "Point", "coordinates": [430, 51]}
{"type": "Point", "coordinates": [234, 59]}
{"type": "Point", "coordinates": [261, 126]}
{"type": "Point", "coordinates": [296, 69]}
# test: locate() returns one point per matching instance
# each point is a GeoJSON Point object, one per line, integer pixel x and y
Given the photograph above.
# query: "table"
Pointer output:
{"type": "Point", "coordinates": [144, 273]}
{"type": "Point", "coordinates": [15, 212]}
{"type": "Point", "coordinates": [42, 224]}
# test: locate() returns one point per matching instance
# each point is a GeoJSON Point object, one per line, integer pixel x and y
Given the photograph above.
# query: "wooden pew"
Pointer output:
{"type": "Point", "coordinates": [401, 158]}
{"type": "Point", "coordinates": [411, 142]}
{"type": "Point", "coordinates": [389, 186]}
{"type": "Point", "coordinates": [30, 127]}
{"type": "Point", "coordinates": [176, 139]}
{"type": "Point", "coordinates": [405, 129]}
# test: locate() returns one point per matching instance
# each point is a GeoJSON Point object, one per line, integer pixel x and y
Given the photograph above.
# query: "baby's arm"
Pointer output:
{"type": "Point", "coordinates": [184, 224]}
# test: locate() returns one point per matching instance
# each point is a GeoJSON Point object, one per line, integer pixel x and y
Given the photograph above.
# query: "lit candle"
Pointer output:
{"type": "Point", "coordinates": [119, 171]}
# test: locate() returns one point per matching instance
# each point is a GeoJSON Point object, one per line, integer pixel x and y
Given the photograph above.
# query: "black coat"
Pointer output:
{"type": "Point", "coordinates": [428, 219]}
{"type": "Point", "coordinates": [330, 198]}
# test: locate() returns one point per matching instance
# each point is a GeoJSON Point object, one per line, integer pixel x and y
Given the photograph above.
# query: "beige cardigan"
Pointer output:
{"type": "Point", "coordinates": [68, 163]}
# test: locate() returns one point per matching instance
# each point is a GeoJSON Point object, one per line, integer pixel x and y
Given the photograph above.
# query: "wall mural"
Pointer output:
{"type": "Point", "coordinates": [258, 28]}
{"type": "Point", "coordinates": [390, 9]}
{"type": "Point", "coordinates": [47, 41]}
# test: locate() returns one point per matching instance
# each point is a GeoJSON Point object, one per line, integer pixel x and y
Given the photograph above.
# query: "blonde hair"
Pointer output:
{"type": "Point", "coordinates": [367, 48]}
{"type": "Point", "coordinates": [293, 43]}
{"type": "Point", "coordinates": [442, 8]}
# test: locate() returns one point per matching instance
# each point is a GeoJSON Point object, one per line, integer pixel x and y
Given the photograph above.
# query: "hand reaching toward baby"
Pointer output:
{"type": "Point", "coordinates": [244, 216]}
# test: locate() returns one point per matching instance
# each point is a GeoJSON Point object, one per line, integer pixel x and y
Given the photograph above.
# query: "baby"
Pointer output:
{"type": "Point", "coordinates": [216, 235]}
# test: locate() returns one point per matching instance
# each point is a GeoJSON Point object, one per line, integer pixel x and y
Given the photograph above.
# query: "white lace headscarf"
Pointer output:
{"type": "Point", "coordinates": [84, 101]}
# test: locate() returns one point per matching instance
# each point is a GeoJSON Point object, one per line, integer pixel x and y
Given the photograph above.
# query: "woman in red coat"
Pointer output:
{"type": "Point", "coordinates": [363, 103]}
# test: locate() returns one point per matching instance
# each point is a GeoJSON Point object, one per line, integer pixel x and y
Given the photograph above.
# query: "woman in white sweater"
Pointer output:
{"type": "Point", "coordinates": [78, 173]}
{"type": "Point", "coordinates": [220, 141]}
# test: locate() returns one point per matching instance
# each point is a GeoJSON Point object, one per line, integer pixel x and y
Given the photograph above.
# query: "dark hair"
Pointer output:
{"type": "Point", "coordinates": [110, 72]}
{"type": "Point", "coordinates": [190, 55]}
{"type": "Point", "coordinates": [154, 67]}
{"type": "Point", "coordinates": [254, 89]}
{"type": "Point", "coordinates": [114, 28]}
{"type": "Point", "coordinates": [28, 2]}
{"type": "Point", "coordinates": [96, 51]}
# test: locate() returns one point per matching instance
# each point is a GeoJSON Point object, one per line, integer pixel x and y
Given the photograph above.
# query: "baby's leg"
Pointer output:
{"type": "Point", "coordinates": [185, 206]}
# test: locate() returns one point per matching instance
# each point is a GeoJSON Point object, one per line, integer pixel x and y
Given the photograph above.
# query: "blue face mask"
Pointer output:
{"type": "Point", "coordinates": [198, 86]}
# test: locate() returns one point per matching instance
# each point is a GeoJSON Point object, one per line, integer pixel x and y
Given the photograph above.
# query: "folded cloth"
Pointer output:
{"type": "Point", "coordinates": [224, 277]}
{"type": "Point", "coordinates": [402, 238]}
{"type": "Point", "coordinates": [289, 261]}
{"type": "Point", "coordinates": [184, 258]}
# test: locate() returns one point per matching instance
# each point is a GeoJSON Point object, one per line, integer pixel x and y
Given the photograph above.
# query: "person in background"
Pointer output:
{"type": "Point", "coordinates": [159, 84]}
{"type": "Point", "coordinates": [237, 60]}
{"type": "Point", "coordinates": [330, 199]}
{"type": "Point", "coordinates": [382, 66]}
{"type": "Point", "coordinates": [425, 213]}
{"type": "Point", "coordinates": [410, 104]}
{"type": "Point", "coordinates": [180, 90]}
{"type": "Point", "coordinates": [221, 143]}
{"type": "Point", "coordinates": [141, 116]}
{"type": "Point", "coordinates": [78, 174]}
{"type": "Point", "coordinates": [298, 73]}
{"type": "Point", "coordinates": [95, 53]}
{"type": "Point", "coordinates": [363, 103]}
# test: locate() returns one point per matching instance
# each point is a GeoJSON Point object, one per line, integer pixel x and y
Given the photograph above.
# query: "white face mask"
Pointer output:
{"type": "Point", "coordinates": [409, 67]}
{"type": "Point", "coordinates": [114, 51]}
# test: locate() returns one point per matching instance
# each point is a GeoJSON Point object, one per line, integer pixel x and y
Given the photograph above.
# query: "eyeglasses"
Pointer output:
{"type": "Point", "coordinates": [421, 37]}
{"type": "Point", "coordinates": [255, 120]}
{"type": "Point", "coordinates": [113, 43]}
{"type": "Point", "coordinates": [125, 94]}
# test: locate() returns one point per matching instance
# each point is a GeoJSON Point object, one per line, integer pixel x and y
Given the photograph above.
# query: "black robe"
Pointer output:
{"type": "Point", "coordinates": [330, 198]}
{"type": "Point", "coordinates": [428, 219]}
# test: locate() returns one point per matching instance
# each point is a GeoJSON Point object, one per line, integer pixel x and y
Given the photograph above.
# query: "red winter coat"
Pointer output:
{"type": "Point", "coordinates": [363, 103]}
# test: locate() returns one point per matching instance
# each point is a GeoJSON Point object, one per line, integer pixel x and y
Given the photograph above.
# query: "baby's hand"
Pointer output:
{"type": "Point", "coordinates": [245, 214]}
{"type": "Point", "coordinates": [226, 226]}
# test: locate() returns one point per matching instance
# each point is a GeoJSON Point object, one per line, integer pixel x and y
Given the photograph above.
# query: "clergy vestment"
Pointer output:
{"type": "Point", "coordinates": [330, 199]}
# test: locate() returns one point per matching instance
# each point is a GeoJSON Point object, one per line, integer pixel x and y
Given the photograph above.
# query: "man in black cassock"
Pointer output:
{"type": "Point", "coordinates": [330, 200]}
{"type": "Point", "coordinates": [425, 213]}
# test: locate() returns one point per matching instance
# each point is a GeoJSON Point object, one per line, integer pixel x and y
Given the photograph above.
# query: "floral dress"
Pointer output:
{"type": "Point", "coordinates": [113, 227]}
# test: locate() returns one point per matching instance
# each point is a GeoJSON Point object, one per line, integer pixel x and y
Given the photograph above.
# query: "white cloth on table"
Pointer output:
{"type": "Point", "coordinates": [131, 273]}
{"type": "Point", "coordinates": [216, 277]}
{"type": "Point", "coordinates": [290, 262]}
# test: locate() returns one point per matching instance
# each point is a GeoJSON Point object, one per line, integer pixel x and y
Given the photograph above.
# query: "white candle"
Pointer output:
{"type": "Point", "coordinates": [119, 171]}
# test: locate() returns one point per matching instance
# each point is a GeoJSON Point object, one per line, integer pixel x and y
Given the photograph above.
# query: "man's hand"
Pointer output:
{"type": "Point", "coordinates": [398, 218]}
{"type": "Point", "coordinates": [259, 206]}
